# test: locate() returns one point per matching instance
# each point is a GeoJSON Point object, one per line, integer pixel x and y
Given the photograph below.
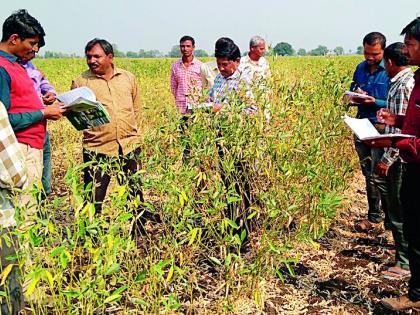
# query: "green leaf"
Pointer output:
{"type": "Point", "coordinates": [112, 298]}
{"type": "Point", "coordinates": [141, 276]}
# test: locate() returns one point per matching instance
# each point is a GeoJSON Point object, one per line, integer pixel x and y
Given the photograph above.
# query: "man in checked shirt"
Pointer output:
{"type": "Point", "coordinates": [389, 169]}
{"type": "Point", "coordinates": [186, 85]}
{"type": "Point", "coordinates": [186, 76]}
{"type": "Point", "coordinates": [12, 175]}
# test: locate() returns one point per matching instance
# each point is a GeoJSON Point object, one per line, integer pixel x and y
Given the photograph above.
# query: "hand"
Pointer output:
{"type": "Point", "coordinates": [48, 98]}
{"type": "Point", "coordinates": [54, 112]}
{"type": "Point", "coordinates": [217, 107]}
{"type": "Point", "coordinates": [379, 143]}
{"type": "Point", "coordinates": [381, 169]}
{"type": "Point", "coordinates": [369, 100]}
{"type": "Point", "coordinates": [385, 117]}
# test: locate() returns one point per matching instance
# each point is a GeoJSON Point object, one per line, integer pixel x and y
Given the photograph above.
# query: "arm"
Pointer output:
{"type": "Point", "coordinates": [174, 81]}
{"type": "Point", "coordinates": [136, 100]}
{"type": "Point", "coordinates": [48, 92]}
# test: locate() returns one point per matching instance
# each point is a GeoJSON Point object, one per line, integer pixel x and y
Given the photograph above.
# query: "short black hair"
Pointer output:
{"type": "Point", "coordinates": [394, 52]}
{"type": "Point", "coordinates": [222, 41]}
{"type": "Point", "coordinates": [185, 38]}
{"type": "Point", "coordinates": [226, 48]}
{"type": "Point", "coordinates": [412, 29]}
{"type": "Point", "coordinates": [24, 25]}
{"type": "Point", "coordinates": [106, 46]}
{"type": "Point", "coordinates": [375, 38]}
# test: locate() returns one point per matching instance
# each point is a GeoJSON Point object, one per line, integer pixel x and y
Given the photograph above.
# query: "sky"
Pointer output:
{"type": "Point", "coordinates": [158, 24]}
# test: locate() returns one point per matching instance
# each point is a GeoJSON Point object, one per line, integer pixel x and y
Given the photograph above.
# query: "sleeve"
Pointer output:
{"type": "Point", "coordinates": [21, 121]}
{"type": "Point", "coordinates": [354, 85]}
{"type": "Point", "coordinates": [410, 146]}
{"type": "Point", "coordinates": [390, 156]}
{"type": "Point", "coordinates": [12, 162]}
{"type": "Point", "coordinates": [203, 73]}
{"type": "Point", "coordinates": [5, 88]}
{"type": "Point", "coordinates": [380, 103]}
{"type": "Point", "coordinates": [136, 99]}
{"type": "Point", "coordinates": [174, 81]}
{"type": "Point", "coordinates": [46, 86]}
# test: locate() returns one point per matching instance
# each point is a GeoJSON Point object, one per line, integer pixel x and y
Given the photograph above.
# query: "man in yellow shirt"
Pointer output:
{"type": "Point", "coordinates": [116, 143]}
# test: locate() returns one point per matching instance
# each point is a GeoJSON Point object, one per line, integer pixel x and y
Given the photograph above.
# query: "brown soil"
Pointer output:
{"type": "Point", "coordinates": [342, 274]}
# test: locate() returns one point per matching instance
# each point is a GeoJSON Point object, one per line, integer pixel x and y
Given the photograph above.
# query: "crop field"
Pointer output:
{"type": "Point", "coordinates": [298, 165]}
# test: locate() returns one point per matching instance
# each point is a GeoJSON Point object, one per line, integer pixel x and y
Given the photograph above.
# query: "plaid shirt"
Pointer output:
{"type": "Point", "coordinates": [186, 83]}
{"type": "Point", "coordinates": [12, 168]}
{"type": "Point", "coordinates": [235, 85]}
{"type": "Point", "coordinates": [397, 101]}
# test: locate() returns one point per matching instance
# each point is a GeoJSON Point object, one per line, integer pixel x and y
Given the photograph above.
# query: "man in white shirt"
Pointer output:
{"type": "Point", "coordinates": [254, 62]}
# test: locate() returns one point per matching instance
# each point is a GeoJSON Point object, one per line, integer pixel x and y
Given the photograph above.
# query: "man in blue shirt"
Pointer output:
{"type": "Point", "coordinates": [370, 78]}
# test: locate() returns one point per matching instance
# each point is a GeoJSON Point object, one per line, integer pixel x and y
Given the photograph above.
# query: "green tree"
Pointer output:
{"type": "Point", "coordinates": [283, 49]}
{"type": "Point", "coordinates": [319, 51]}
{"type": "Point", "coordinates": [339, 50]}
{"type": "Point", "coordinates": [359, 50]}
{"type": "Point", "coordinates": [117, 53]}
{"type": "Point", "coordinates": [301, 52]}
{"type": "Point", "coordinates": [132, 54]}
{"type": "Point", "coordinates": [200, 53]}
{"type": "Point", "coordinates": [175, 52]}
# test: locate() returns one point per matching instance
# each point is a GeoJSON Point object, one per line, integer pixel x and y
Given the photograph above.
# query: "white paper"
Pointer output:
{"type": "Point", "coordinates": [354, 94]}
{"type": "Point", "coordinates": [364, 130]}
{"type": "Point", "coordinates": [72, 96]}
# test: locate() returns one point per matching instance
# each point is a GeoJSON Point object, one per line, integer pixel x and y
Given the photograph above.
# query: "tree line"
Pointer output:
{"type": "Point", "coordinates": [280, 49]}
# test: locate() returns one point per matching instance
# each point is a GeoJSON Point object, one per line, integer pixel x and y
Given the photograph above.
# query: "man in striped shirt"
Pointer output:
{"type": "Point", "coordinates": [186, 76]}
{"type": "Point", "coordinates": [389, 169]}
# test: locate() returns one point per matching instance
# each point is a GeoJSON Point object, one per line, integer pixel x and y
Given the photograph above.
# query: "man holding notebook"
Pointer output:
{"type": "Point", "coordinates": [409, 150]}
{"type": "Point", "coordinates": [371, 79]}
{"type": "Point", "coordinates": [116, 143]}
{"type": "Point", "coordinates": [22, 36]}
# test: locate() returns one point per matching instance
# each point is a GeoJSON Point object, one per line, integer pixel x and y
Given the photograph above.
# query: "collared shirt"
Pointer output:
{"type": "Point", "coordinates": [41, 83]}
{"type": "Point", "coordinates": [120, 96]}
{"type": "Point", "coordinates": [21, 120]}
{"type": "Point", "coordinates": [376, 84]}
{"type": "Point", "coordinates": [209, 71]}
{"type": "Point", "coordinates": [410, 148]}
{"type": "Point", "coordinates": [257, 70]}
{"type": "Point", "coordinates": [186, 83]}
{"type": "Point", "coordinates": [238, 86]}
{"type": "Point", "coordinates": [12, 168]}
{"type": "Point", "coordinates": [397, 101]}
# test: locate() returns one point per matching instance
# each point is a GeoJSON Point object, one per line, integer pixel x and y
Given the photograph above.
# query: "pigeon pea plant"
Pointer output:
{"type": "Point", "coordinates": [297, 166]}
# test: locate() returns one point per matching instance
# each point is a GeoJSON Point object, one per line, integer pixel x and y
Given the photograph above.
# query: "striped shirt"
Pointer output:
{"type": "Point", "coordinates": [238, 86]}
{"type": "Point", "coordinates": [399, 93]}
{"type": "Point", "coordinates": [12, 168]}
{"type": "Point", "coordinates": [186, 83]}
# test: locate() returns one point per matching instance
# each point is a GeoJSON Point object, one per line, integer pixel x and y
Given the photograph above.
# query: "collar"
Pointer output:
{"type": "Point", "coordinates": [400, 74]}
{"type": "Point", "coordinates": [11, 58]}
{"type": "Point", "coordinates": [236, 75]}
{"type": "Point", "coordinates": [192, 62]}
{"type": "Point", "coordinates": [381, 65]}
